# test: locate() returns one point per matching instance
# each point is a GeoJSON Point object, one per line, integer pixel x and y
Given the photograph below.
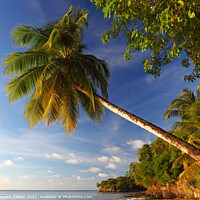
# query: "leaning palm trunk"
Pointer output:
{"type": "Point", "coordinates": [171, 139]}
{"type": "Point", "coordinates": [175, 141]}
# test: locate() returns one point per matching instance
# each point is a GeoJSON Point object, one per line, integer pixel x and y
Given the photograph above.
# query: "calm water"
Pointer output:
{"type": "Point", "coordinates": [52, 195]}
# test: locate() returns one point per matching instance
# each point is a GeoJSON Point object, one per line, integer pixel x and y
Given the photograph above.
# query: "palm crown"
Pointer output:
{"type": "Point", "coordinates": [54, 72]}
{"type": "Point", "coordinates": [186, 106]}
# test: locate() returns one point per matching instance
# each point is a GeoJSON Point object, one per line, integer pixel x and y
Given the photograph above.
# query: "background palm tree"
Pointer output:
{"type": "Point", "coordinates": [187, 107]}
{"type": "Point", "coordinates": [58, 77]}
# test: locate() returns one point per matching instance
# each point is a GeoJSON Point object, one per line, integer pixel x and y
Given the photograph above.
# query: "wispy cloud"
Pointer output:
{"type": "Point", "coordinates": [7, 163]}
{"type": "Point", "coordinates": [72, 155]}
{"type": "Point", "coordinates": [53, 176]}
{"type": "Point", "coordinates": [102, 175]}
{"type": "Point", "coordinates": [78, 178]}
{"type": "Point", "coordinates": [47, 172]}
{"type": "Point", "coordinates": [103, 158]}
{"type": "Point", "coordinates": [112, 150]}
{"type": "Point", "coordinates": [115, 159]}
{"type": "Point", "coordinates": [34, 6]}
{"type": "Point", "coordinates": [73, 161]}
{"type": "Point", "coordinates": [113, 54]}
{"type": "Point", "coordinates": [137, 144]}
{"type": "Point", "coordinates": [53, 155]}
{"type": "Point", "coordinates": [92, 170]}
{"type": "Point", "coordinates": [4, 179]}
{"type": "Point", "coordinates": [18, 159]}
{"type": "Point", "coordinates": [111, 166]}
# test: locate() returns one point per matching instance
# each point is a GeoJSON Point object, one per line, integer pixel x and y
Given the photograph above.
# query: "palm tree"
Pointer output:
{"type": "Point", "coordinates": [50, 68]}
{"type": "Point", "coordinates": [187, 107]}
{"type": "Point", "coordinates": [58, 77]}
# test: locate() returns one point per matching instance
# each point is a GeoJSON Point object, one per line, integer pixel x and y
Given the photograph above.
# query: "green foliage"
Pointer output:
{"type": "Point", "coordinates": [155, 166]}
{"type": "Point", "coordinates": [164, 173]}
{"type": "Point", "coordinates": [187, 107]}
{"type": "Point", "coordinates": [52, 70]}
{"type": "Point", "coordinates": [120, 184]}
{"type": "Point", "coordinates": [145, 153]}
{"type": "Point", "coordinates": [165, 28]}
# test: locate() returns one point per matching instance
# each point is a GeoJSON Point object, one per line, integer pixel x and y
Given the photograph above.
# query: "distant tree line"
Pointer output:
{"type": "Point", "coordinates": [119, 184]}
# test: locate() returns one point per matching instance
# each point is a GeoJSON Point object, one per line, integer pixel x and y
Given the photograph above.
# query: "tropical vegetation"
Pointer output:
{"type": "Point", "coordinates": [119, 184]}
{"type": "Point", "coordinates": [167, 29]}
{"type": "Point", "coordinates": [187, 107]}
{"type": "Point", "coordinates": [57, 77]}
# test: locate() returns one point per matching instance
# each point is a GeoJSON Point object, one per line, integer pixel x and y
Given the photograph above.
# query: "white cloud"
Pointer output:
{"type": "Point", "coordinates": [73, 161]}
{"type": "Point", "coordinates": [136, 144]}
{"type": "Point", "coordinates": [4, 179]}
{"type": "Point", "coordinates": [115, 159]}
{"type": "Point", "coordinates": [53, 176]}
{"type": "Point", "coordinates": [18, 159]}
{"type": "Point", "coordinates": [72, 155]}
{"type": "Point", "coordinates": [103, 158]}
{"type": "Point", "coordinates": [112, 150]}
{"type": "Point", "coordinates": [7, 163]}
{"type": "Point", "coordinates": [47, 172]}
{"type": "Point", "coordinates": [78, 178]}
{"type": "Point", "coordinates": [102, 175]}
{"type": "Point", "coordinates": [92, 170]}
{"type": "Point", "coordinates": [53, 155]}
{"type": "Point", "coordinates": [111, 166]}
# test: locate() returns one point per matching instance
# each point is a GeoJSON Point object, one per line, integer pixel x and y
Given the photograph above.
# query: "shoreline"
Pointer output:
{"type": "Point", "coordinates": [141, 194]}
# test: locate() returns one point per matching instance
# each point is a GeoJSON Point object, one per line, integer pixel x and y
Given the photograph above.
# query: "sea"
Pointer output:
{"type": "Point", "coordinates": [67, 194]}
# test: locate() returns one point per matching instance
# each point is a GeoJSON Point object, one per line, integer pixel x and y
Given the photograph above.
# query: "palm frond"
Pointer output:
{"type": "Point", "coordinates": [184, 160]}
{"type": "Point", "coordinates": [188, 95]}
{"type": "Point", "coordinates": [21, 86]}
{"type": "Point", "coordinates": [178, 161]}
{"type": "Point", "coordinates": [52, 99]}
{"type": "Point", "coordinates": [97, 71]}
{"type": "Point", "coordinates": [34, 111]}
{"type": "Point", "coordinates": [24, 35]}
{"type": "Point", "coordinates": [80, 77]}
{"type": "Point", "coordinates": [66, 17]}
{"type": "Point", "coordinates": [87, 105]}
{"type": "Point", "coordinates": [48, 70]}
{"type": "Point", "coordinates": [81, 17]}
{"type": "Point", "coordinates": [20, 62]}
{"type": "Point", "coordinates": [189, 172]}
{"type": "Point", "coordinates": [69, 108]}
{"type": "Point", "coordinates": [55, 41]}
{"type": "Point", "coordinates": [171, 113]}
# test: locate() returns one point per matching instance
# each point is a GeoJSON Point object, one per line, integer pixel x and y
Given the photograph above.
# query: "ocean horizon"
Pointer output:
{"type": "Point", "coordinates": [61, 194]}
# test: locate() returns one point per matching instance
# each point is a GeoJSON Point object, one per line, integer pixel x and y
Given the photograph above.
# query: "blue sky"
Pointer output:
{"type": "Point", "coordinates": [45, 158]}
